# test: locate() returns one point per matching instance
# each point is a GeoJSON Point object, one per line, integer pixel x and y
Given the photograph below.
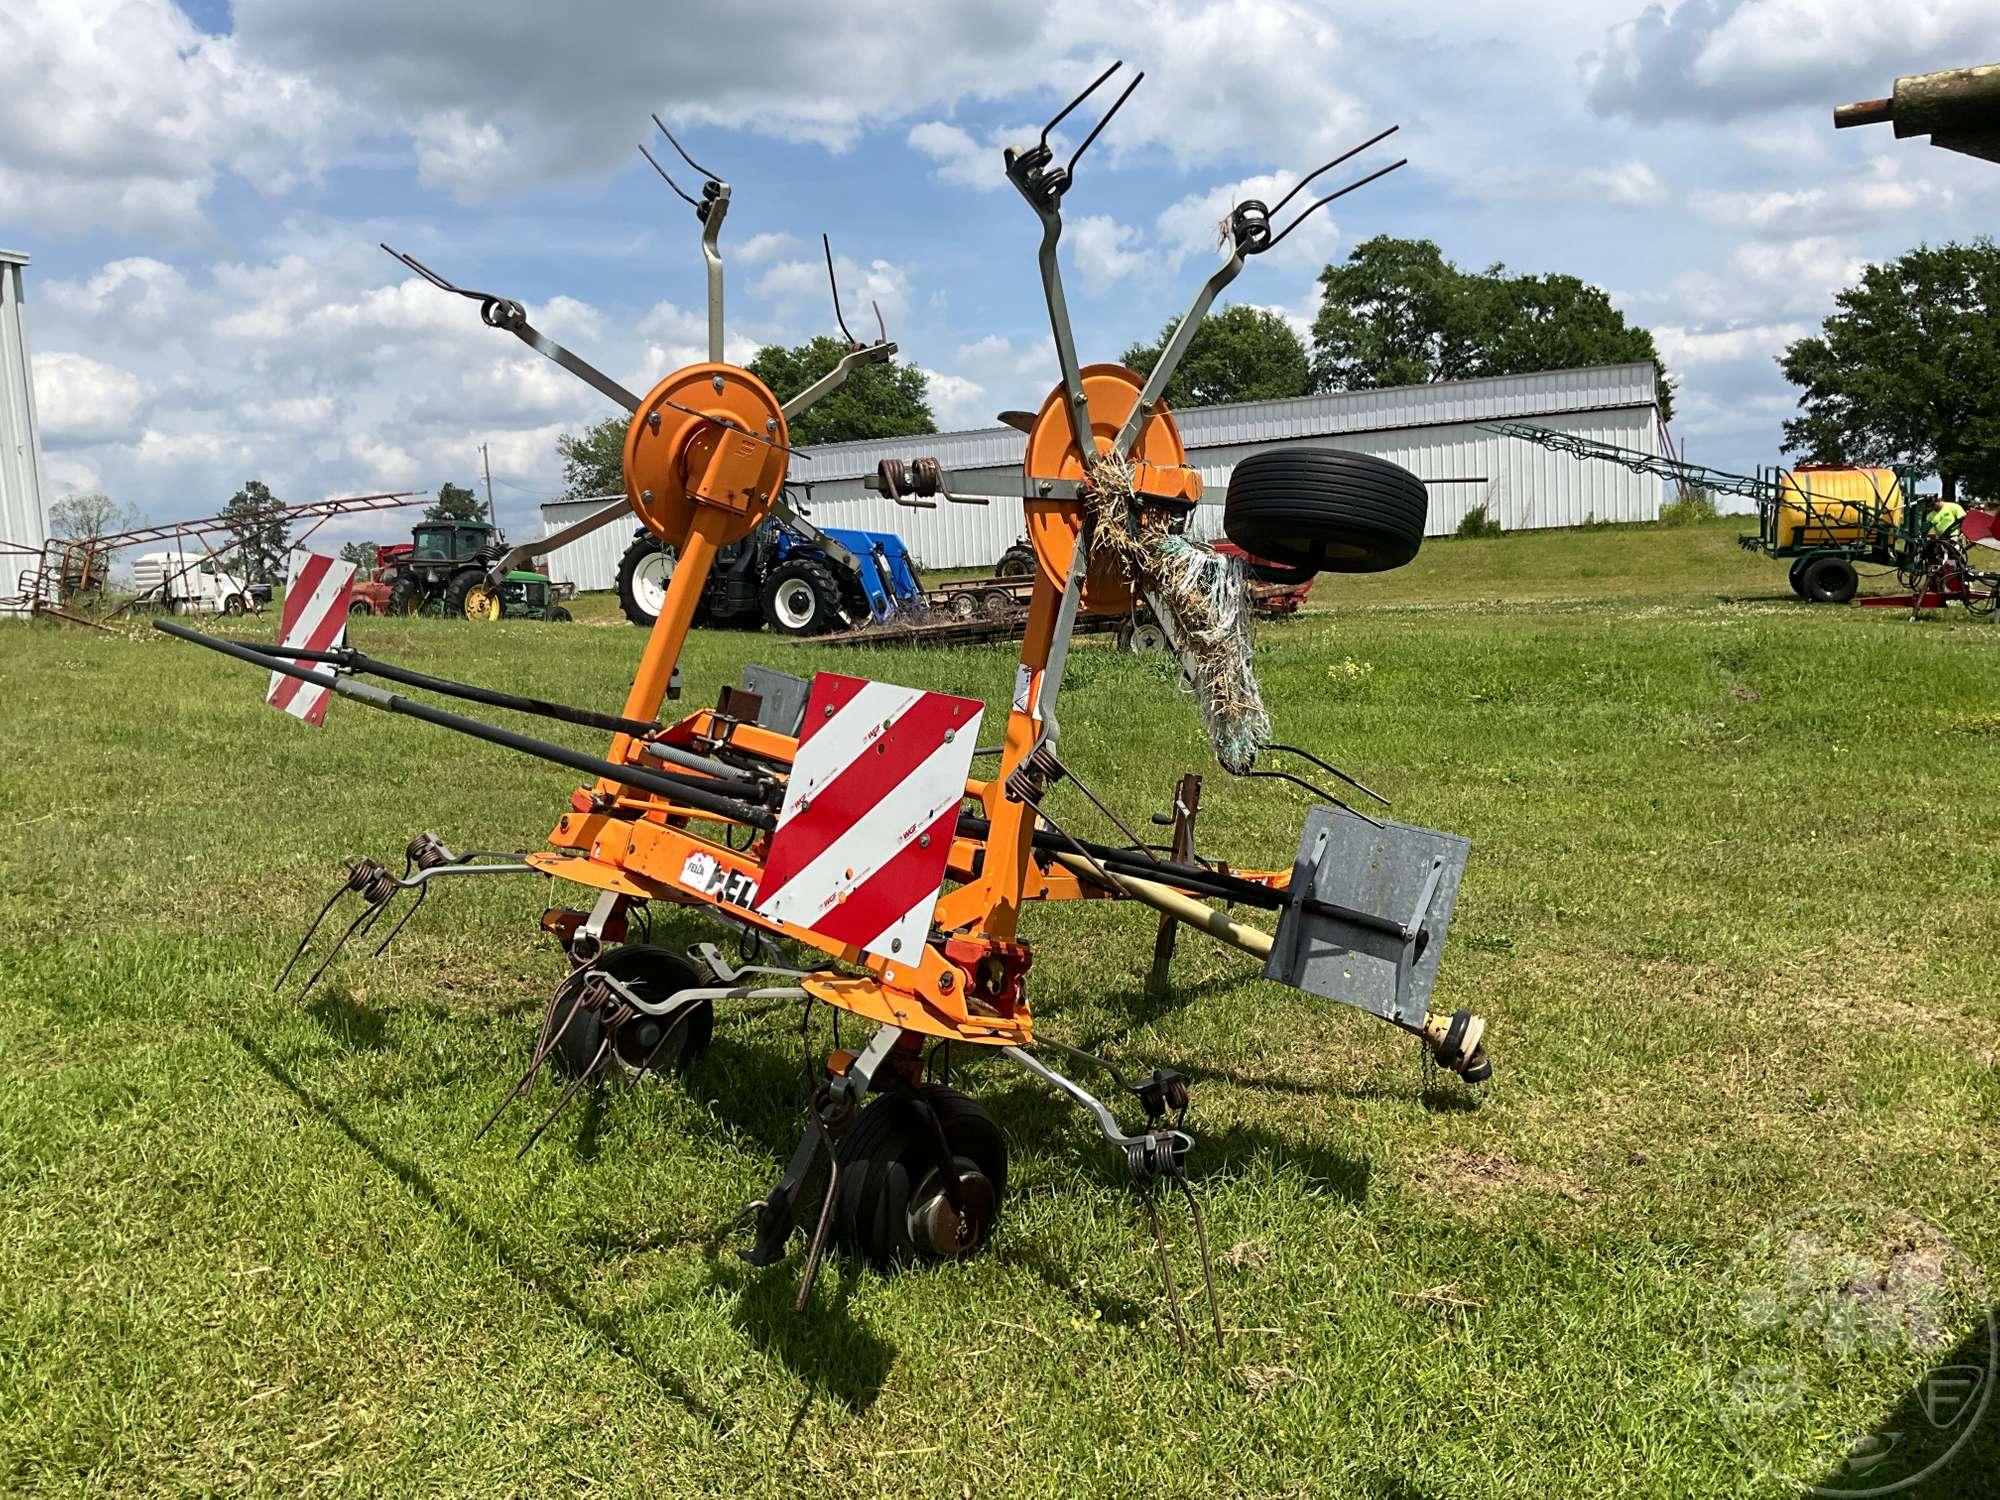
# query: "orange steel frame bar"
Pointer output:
{"type": "Point", "coordinates": [704, 495]}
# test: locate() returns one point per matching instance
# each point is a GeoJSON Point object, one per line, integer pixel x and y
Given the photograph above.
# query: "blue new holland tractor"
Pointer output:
{"type": "Point", "coordinates": [799, 578]}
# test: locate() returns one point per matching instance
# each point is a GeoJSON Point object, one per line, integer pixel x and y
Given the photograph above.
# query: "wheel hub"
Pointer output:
{"type": "Point", "coordinates": [936, 1226]}
{"type": "Point", "coordinates": [650, 579]}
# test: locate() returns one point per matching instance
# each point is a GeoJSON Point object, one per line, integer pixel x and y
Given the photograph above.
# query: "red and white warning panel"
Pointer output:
{"type": "Point", "coordinates": [317, 595]}
{"type": "Point", "coordinates": [861, 844]}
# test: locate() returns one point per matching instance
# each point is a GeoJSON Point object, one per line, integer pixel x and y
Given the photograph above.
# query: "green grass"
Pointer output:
{"type": "Point", "coordinates": [1733, 858]}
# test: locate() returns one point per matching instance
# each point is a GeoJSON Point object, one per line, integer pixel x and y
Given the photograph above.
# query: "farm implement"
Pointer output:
{"type": "Point", "coordinates": [872, 828]}
{"type": "Point", "coordinates": [1827, 522]}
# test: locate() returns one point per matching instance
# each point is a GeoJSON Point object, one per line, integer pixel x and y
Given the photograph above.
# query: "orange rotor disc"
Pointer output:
{"type": "Point", "coordinates": [672, 441]}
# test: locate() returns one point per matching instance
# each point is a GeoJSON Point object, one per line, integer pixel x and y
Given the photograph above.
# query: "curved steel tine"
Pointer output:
{"type": "Point", "coordinates": [603, 1051]}
{"type": "Point", "coordinates": [334, 951]}
{"type": "Point", "coordinates": [1166, 1268]}
{"type": "Point", "coordinates": [683, 151]}
{"type": "Point", "coordinates": [833, 281]}
{"type": "Point", "coordinates": [1207, 1265]}
{"type": "Point", "coordinates": [881, 328]}
{"type": "Point", "coordinates": [408, 912]}
{"type": "Point", "coordinates": [1308, 212]}
{"type": "Point", "coordinates": [1331, 770]}
{"type": "Point", "coordinates": [545, 1046]}
{"type": "Point", "coordinates": [285, 973]}
{"type": "Point", "coordinates": [1063, 113]}
{"type": "Point", "coordinates": [678, 192]}
{"type": "Point", "coordinates": [1117, 105]}
{"type": "Point", "coordinates": [1318, 791]}
{"type": "Point", "coordinates": [436, 280]}
{"type": "Point", "coordinates": [1344, 156]}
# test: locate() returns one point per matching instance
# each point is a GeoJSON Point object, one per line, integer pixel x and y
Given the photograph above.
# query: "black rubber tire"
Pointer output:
{"type": "Point", "coordinates": [996, 604]}
{"type": "Point", "coordinates": [643, 547]}
{"type": "Point", "coordinates": [1796, 574]}
{"type": "Point", "coordinates": [235, 605]}
{"type": "Point", "coordinates": [1830, 580]}
{"type": "Point", "coordinates": [1018, 561]}
{"type": "Point", "coordinates": [1319, 510]}
{"type": "Point", "coordinates": [885, 1162]}
{"type": "Point", "coordinates": [406, 597]}
{"type": "Point", "coordinates": [963, 606]}
{"type": "Point", "coordinates": [361, 607]}
{"type": "Point", "coordinates": [654, 973]}
{"type": "Point", "coordinates": [461, 584]}
{"type": "Point", "coordinates": [558, 615]}
{"type": "Point", "coordinates": [825, 593]}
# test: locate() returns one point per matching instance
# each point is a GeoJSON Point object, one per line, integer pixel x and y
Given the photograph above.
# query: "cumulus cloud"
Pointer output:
{"type": "Point", "coordinates": [1881, 195]}
{"type": "Point", "coordinates": [1726, 59]}
{"type": "Point", "coordinates": [81, 400]}
{"type": "Point", "coordinates": [120, 113]}
{"type": "Point", "coordinates": [1104, 250]}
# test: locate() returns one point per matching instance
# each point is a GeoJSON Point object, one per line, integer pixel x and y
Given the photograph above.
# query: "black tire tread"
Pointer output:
{"type": "Point", "coordinates": [875, 1175]}
{"type": "Point", "coordinates": [1296, 505]}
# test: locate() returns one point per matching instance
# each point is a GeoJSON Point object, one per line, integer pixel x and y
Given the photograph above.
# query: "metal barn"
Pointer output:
{"type": "Point", "coordinates": [23, 516]}
{"type": "Point", "coordinates": [1434, 431]}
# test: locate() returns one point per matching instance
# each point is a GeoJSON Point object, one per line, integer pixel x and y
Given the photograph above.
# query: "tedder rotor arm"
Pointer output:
{"type": "Point", "coordinates": [505, 313]}
{"type": "Point", "coordinates": [514, 557]}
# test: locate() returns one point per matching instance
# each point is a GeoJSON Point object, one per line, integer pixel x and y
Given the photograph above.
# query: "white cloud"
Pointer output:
{"type": "Point", "coordinates": [1627, 184]}
{"type": "Point", "coordinates": [119, 113]}
{"type": "Point", "coordinates": [762, 247]}
{"type": "Point", "coordinates": [957, 402]}
{"type": "Point", "coordinates": [1103, 250]}
{"type": "Point", "coordinates": [795, 284]}
{"type": "Point", "coordinates": [1725, 59]}
{"type": "Point", "coordinates": [1195, 226]}
{"type": "Point", "coordinates": [81, 400]}
{"type": "Point", "coordinates": [964, 161]}
{"type": "Point", "coordinates": [1685, 348]}
{"type": "Point", "coordinates": [1886, 192]}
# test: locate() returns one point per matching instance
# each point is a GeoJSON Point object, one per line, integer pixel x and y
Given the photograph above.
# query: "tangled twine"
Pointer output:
{"type": "Point", "coordinates": [1202, 601]}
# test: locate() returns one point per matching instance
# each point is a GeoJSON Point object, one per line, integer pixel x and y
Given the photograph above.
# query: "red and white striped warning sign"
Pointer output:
{"type": "Point", "coordinates": [315, 619]}
{"type": "Point", "coordinates": [861, 844]}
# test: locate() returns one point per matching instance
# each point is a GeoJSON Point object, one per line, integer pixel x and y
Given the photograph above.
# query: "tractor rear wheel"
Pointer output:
{"type": "Point", "coordinates": [1018, 561]}
{"type": "Point", "coordinates": [801, 598]}
{"type": "Point", "coordinates": [1830, 580]}
{"type": "Point", "coordinates": [469, 597]}
{"type": "Point", "coordinates": [1319, 510]}
{"type": "Point", "coordinates": [643, 575]}
{"type": "Point", "coordinates": [893, 1209]}
{"type": "Point", "coordinates": [646, 1044]}
{"type": "Point", "coordinates": [406, 597]}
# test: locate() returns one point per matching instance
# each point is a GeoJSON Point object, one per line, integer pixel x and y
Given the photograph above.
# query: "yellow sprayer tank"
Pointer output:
{"type": "Point", "coordinates": [1833, 507]}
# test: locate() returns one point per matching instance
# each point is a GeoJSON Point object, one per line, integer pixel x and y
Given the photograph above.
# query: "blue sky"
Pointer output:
{"type": "Point", "coordinates": [202, 188]}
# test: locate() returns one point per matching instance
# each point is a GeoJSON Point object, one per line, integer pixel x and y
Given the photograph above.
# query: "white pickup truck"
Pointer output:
{"type": "Point", "coordinates": [195, 584]}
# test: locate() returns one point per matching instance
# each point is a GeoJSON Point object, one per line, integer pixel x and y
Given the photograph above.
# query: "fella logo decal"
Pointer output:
{"type": "Point", "coordinates": [709, 875]}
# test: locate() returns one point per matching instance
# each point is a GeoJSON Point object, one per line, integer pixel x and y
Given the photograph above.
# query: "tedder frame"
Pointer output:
{"type": "Point", "coordinates": [863, 824]}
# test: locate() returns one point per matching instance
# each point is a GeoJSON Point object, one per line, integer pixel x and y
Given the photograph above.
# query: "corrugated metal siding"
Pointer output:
{"type": "Point", "coordinates": [23, 513]}
{"type": "Point", "coordinates": [1433, 431]}
{"type": "Point", "coordinates": [590, 562]}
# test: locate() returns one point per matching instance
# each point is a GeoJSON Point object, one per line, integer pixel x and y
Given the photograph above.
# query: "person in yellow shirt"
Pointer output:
{"type": "Point", "coordinates": [1945, 516]}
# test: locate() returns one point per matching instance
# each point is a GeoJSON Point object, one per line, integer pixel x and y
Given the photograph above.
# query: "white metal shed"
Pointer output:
{"type": "Point", "coordinates": [1435, 431]}
{"type": "Point", "coordinates": [23, 511]}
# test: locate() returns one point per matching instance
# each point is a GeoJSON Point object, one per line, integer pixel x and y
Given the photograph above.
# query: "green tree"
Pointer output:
{"type": "Point", "coordinates": [262, 537]}
{"type": "Point", "coordinates": [1240, 354]}
{"type": "Point", "coordinates": [78, 518]}
{"type": "Point", "coordinates": [1396, 312]}
{"type": "Point", "coordinates": [455, 502]}
{"type": "Point", "coordinates": [594, 460]}
{"type": "Point", "coordinates": [1907, 371]}
{"type": "Point", "coordinates": [878, 401]}
{"type": "Point", "coordinates": [361, 554]}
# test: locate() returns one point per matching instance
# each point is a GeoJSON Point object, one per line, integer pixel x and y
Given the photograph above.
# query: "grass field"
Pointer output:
{"type": "Point", "coordinates": [1733, 863]}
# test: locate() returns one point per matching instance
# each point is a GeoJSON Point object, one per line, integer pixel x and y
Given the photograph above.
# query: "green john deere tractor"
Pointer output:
{"type": "Point", "coordinates": [446, 570]}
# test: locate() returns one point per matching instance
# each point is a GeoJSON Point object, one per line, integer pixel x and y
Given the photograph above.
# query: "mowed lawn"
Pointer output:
{"type": "Point", "coordinates": [1733, 875]}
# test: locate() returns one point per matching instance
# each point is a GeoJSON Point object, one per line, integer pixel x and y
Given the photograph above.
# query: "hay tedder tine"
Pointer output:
{"type": "Point", "coordinates": [589, 1072]}
{"type": "Point", "coordinates": [284, 974]}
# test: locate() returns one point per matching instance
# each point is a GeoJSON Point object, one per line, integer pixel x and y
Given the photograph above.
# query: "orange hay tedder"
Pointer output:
{"type": "Point", "coordinates": [866, 824]}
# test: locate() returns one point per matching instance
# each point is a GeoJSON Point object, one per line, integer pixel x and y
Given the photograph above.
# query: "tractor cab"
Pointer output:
{"type": "Point", "coordinates": [449, 541]}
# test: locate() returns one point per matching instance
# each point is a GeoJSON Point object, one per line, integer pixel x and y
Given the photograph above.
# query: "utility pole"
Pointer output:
{"type": "Point", "coordinates": [486, 464]}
